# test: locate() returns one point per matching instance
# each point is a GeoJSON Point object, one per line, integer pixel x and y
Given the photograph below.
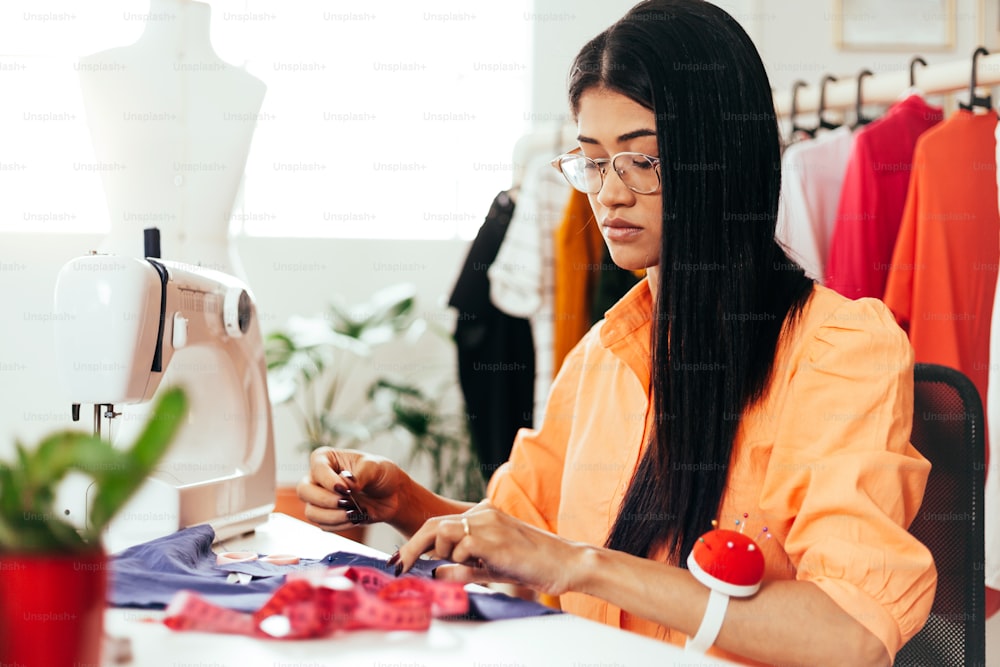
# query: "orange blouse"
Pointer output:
{"type": "Point", "coordinates": [823, 460]}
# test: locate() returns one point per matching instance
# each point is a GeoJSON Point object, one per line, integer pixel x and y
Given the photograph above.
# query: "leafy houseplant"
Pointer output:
{"type": "Point", "coordinates": [441, 437]}
{"type": "Point", "coordinates": [314, 366]}
{"type": "Point", "coordinates": [312, 363]}
{"type": "Point", "coordinates": [52, 578]}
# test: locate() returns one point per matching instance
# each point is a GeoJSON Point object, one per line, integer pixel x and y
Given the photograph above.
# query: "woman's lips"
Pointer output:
{"type": "Point", "coordinates": [617, 229]}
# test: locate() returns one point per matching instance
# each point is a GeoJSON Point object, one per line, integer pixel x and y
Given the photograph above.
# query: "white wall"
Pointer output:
{"type": "Point", "coordinates": [796, 41]}
{"type": "Point", "coordinates": [559, 29]}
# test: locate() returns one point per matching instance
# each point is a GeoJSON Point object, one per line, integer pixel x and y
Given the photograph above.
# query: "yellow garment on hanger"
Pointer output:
{"type": "Point", "coordinates": [579, 249]}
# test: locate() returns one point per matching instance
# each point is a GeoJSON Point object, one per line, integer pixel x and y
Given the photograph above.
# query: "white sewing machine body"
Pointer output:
{"type": "Point", "coordinates": [135, 325]}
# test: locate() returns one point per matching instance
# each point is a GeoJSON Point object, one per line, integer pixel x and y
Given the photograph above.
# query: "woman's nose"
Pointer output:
{"type": "Point", "coordinates": [614, 192]}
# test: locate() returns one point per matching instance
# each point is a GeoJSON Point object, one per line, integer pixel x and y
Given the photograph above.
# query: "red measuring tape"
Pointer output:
{"type": "Point", "coordinates": [320, 601]}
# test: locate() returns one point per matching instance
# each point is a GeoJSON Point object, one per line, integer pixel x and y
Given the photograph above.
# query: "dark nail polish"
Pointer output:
{"type": "Point", "coordinates": [354, 517]}
{"type": "Point", "coordinates": [344, 503]}
{"type": "Point", "coordinates": [393, 559]}
{"type": "Point", "coordinates": [340, 488]}
{"type": "Point", "coordinates": [399, 569]}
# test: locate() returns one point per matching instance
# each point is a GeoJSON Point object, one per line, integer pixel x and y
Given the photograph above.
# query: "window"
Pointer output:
{"type": "Point", "coordinates": [382, 119]}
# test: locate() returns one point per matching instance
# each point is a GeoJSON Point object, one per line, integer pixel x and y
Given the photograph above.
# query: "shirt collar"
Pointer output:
{"type": "Point", "coordinates": [632, 312]}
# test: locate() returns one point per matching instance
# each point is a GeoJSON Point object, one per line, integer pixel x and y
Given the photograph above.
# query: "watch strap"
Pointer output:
{"type": "Point", "coordinates": [711, 623]}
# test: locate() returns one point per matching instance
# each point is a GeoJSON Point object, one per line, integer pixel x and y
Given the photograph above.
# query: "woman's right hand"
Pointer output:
{"type": "Point", "coordinates": [342, 480]}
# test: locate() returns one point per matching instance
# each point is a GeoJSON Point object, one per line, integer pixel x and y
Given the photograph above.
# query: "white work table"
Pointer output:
{"type": "Point", "coordinates": [545, 641]}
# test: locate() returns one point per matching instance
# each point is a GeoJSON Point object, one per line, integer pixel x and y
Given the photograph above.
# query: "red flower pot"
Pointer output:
{"type": "Point", "coordinates": [52, 609]}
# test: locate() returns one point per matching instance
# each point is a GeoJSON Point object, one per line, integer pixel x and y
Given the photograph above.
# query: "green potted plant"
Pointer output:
{"type": "Point", "coordinates": [52, 577]}
{"type": "Point", "coordinates": [438, 437]}
{"type": "Point", "coordinates": [317, 367]}
{"type": "Point", "coordinates": [314, 364]}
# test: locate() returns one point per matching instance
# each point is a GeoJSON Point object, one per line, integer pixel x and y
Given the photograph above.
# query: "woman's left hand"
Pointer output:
{"type": "Point", "coordinates": [488, 545]}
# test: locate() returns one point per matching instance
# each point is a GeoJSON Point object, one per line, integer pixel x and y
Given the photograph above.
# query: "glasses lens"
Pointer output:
{"type": "Point", "coordinates": [582, 173]}
{"type": "Point", "coordinates": [638, 172]}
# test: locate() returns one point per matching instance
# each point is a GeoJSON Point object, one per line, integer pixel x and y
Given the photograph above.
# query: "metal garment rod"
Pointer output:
{"type": "Point", "coordinates": [885, 88]}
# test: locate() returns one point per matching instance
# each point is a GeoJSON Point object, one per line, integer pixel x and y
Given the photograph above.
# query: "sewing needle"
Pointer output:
{"type": "Point", "coordinates": [363, 516]}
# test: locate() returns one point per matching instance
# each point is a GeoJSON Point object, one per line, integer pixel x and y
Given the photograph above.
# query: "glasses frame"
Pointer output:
{"type": "Point", "coordinates": [601, 163]}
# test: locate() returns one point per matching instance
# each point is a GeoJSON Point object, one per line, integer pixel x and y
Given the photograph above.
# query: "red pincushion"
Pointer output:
{"type": "Point", "coordinates": [727, 561]}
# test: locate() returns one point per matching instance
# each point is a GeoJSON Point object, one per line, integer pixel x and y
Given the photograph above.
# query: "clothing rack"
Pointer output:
{"type": "Point", "coordinates": [886, 88]}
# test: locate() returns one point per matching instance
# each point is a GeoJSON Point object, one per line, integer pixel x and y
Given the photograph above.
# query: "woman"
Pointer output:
{"type": "Point", "coordinates": [725, 383]}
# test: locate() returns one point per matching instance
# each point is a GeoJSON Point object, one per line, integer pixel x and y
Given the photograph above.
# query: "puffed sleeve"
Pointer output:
{"type": "Point", "coordinates": [528, 485]}
{"type": "Point", "coordinates": [843, 481]}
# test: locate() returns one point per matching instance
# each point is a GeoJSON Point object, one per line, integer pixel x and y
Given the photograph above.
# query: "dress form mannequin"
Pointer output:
{"type": "Point", "coordinates": [179, 120]}
{"type": "Point", "coordinates": [176, 122]}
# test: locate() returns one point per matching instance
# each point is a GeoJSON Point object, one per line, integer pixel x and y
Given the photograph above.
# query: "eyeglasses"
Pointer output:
{"type": "Point", "coordinates": [639, 172]}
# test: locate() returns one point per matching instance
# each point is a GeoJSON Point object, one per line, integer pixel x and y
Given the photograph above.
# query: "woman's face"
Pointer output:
{"type": "Point", "coordinates": [610, 123]}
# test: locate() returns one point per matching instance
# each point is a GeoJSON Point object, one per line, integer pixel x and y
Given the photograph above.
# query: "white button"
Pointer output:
{"type": "Point", "coordinates": [180, 335]}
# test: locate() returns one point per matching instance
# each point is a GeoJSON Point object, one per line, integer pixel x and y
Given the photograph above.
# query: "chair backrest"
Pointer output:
{"type": "Point", "coordinates": [948, 430]}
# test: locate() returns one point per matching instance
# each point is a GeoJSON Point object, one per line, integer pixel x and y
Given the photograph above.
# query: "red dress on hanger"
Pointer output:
{"type": "Point", "coordinates": [873, 196]}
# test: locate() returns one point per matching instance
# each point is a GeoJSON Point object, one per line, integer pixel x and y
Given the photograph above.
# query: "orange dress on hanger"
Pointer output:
{"type": "Point", "coordinates": [943, 273]}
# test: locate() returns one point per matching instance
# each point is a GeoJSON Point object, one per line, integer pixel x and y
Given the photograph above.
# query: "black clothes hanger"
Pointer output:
{"type": "Point", "coordinates": [860, 118]}
{"type": "Point", "coordinates": [913, 62]}
{"type": "Point", "coordinates": [824, 123]}
{"type": "Point", "coordinates": [795, 111]}
{"type": "Point", "coordinates": [975, 100]}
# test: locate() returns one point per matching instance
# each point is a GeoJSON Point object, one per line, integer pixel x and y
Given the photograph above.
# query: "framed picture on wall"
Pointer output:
{"type": "Point", "coordinates": [895, 25]}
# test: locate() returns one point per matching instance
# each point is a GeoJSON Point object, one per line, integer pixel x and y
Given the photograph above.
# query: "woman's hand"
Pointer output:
{"type": "Point", "coordinates": [346, 487]}
{"type": "Point", "coordinates": [492, 546]}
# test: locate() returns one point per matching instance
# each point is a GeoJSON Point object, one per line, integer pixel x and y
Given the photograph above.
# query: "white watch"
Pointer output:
{"type": "Point", "coordinates": [711, 623]}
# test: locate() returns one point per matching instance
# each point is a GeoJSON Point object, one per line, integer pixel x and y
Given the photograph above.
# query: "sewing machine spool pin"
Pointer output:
{"type": "Point", "coordinates": [109, 414]}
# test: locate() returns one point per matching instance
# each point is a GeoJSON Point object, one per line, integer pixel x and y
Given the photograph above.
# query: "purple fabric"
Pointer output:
{"type": "Point", "coordinates": [148, 575]}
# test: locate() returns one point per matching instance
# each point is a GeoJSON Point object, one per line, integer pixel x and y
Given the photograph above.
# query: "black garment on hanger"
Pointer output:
{"type": "Point", "coordinates": [496, 356]}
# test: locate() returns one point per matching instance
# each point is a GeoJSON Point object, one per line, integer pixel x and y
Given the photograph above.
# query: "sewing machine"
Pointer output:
{"type": "Point", "coordinates": [128, 326]}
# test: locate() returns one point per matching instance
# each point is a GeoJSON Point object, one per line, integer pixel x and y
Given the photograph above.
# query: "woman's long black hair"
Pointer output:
{"type": "Point", "coordinates": [726, 287]}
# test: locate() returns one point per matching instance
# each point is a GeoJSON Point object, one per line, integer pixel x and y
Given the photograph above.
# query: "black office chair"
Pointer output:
{"type": "Point", "coordinates": [948, 431]}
